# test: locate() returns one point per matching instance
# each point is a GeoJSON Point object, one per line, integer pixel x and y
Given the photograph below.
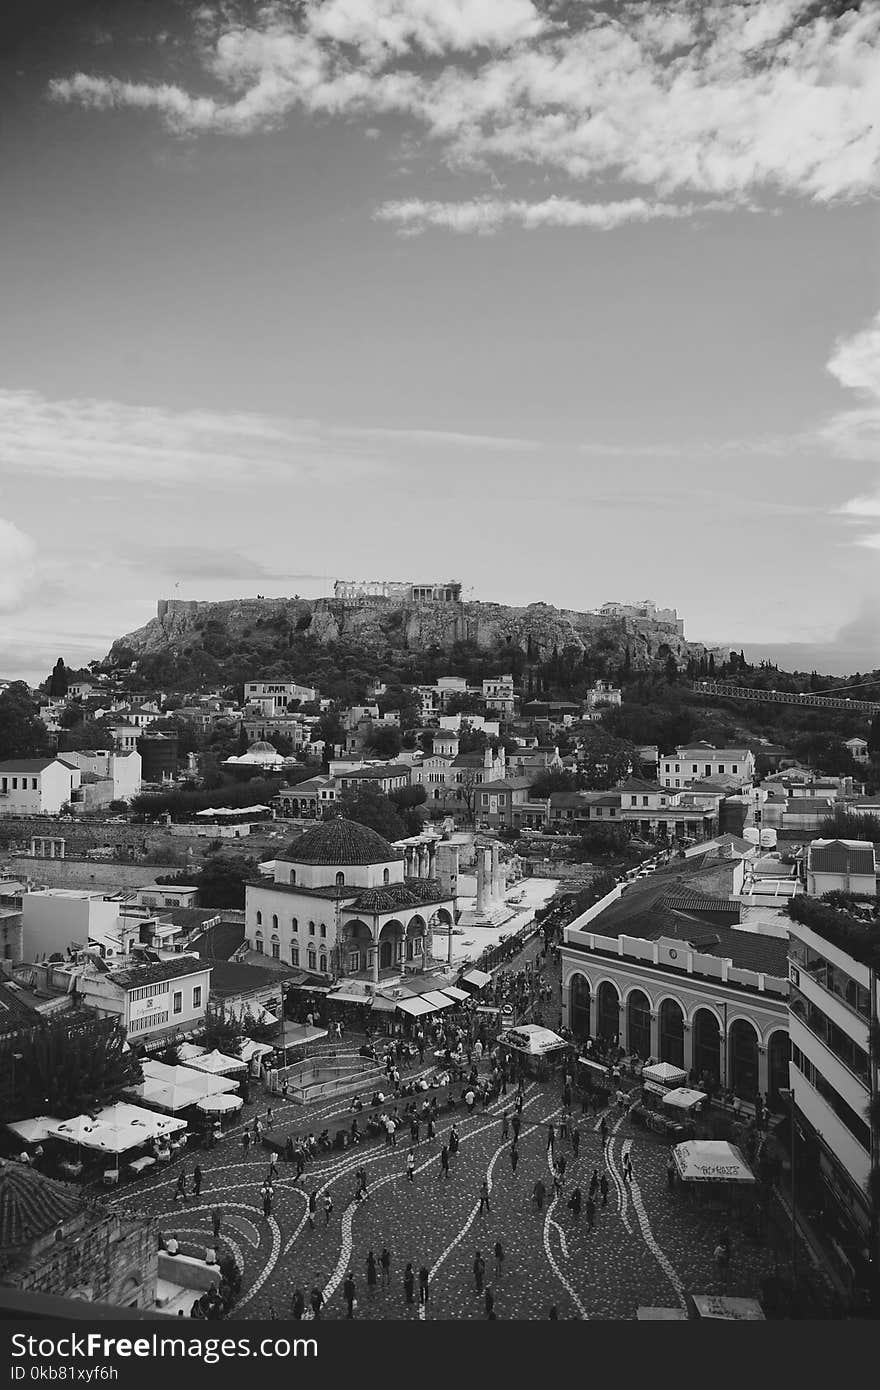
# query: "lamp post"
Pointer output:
{"type": "Point", "coordinates": [16, 1057]}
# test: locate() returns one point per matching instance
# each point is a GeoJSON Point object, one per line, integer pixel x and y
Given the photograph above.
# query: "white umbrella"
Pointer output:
{"type": "Point", "coordinates": [220, 1105]}
{"type": "Point", "coordinates": [711, 1160]}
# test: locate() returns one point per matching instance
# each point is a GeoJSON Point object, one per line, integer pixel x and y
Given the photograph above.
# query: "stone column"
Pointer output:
{"type": "Point", "coordinates": [763, 1071]}
{"type": "Point", "coordinates": [481, 882]}
{"type": "Point", "coordinates": [423, 861]}
{"type": "Point", "coordinates": [432, 860]}
{"type": "Point", "coordinates": [497, 875]}
{"type": "Point", "coordinates": [622, 1039]}
{"type": "Point", "coordinates": [375, 949]}
{"type": "Point", "coordinates": [655, 1034]}
{"type": "Point", "coordinates": [688, 1048]}
{"type": "Point", "coordinates": [449, 947]}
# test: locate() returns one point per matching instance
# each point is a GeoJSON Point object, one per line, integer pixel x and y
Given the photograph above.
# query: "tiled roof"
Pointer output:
{"type": "Point", "coordinates": [640, 785]}
{"type": "Point", "coordinates": [841, 857]}
{"type": "Point", "coordinates": [132, 977]}
{"type": "Point", "coordinates": [186, 917]}
{"type": "Point", "coordinates": [220, 941]}
{"type": "Point", "coordinates": [231, 977]}
{"type": "Point", "coordinates": [468, 760]}
{"type": "Point", "coordinates": [31, 1205]}
{"type": "Point", "coordinates": [15, 1012]}
{"type": "Point", "coordinates": [28, 765]}
{"type": "Point", "coordinates": [342, 842]}
{"type": "Point", "coordinates": [332, 890]}
{"type": "Point", "coordinates": [507, 784]}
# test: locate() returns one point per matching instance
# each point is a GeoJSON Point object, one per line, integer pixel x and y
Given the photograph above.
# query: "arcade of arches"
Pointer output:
{"type": "Point", "coordinates": [664, 1033]}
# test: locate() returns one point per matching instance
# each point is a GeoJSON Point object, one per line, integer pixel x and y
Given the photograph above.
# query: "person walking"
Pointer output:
{"type": "Point", "coordinates": [479, 1271]}
{"type": "Point", "coordinates": [574, 1203]}
{"type": "Point", "coordinates": [317, 1302]}
{"type": "Point", "coordinates": [603, 1188]}
{"type": "Point", "coordinates": [484, 1196]}
{"type": "Point", "coordinates": [181, 1185]}
{"type": "Point", "coordinates": [269, 1119]}
{"type": "Point", "coordinates": [627, 1168]}
{"type": "Point", "coordinates": [670, 1173]}
{"type": "Point", "coordinates": [553, 1315]}
{"type": "Point", "coordinates": [216, 1222]}
{"type": "Point", "coordinates": [246, 1142]}
{"type": "Point", "coordinates": [313, 1207]}
{"type": "Point", "coordinates": [348, 1293]}
{"type": "Point", "coordinates": [551, 1138]}
{"type": "Point", "coordinates": [539, 1192]}
{"type": "Point", "coordinates": [505, 1125]}
{"type": "Point", "coordinates": [299, 1305]}
{"type": "Point", "coordinates": [516, 1123]}
{"type": "Point", "coordinates": [410, 1165]}
{"type": "Point", "coordinates": [197, 1181]}
{"type": "Point", "coordinates": [594, 1182]}
{"type": "Point", "coordinates": [489, 1302]}
{"type": "Point", "coordinates": [432, 1130]}
{"type": "Point", "coordinates": [603, 1130]}
{"type": "Point", "coordinates": [268, 1194]}
{"type": "Point", "coordinates": [409, 1283]}
{"type": "Point", "coordinates": [371, 1274]}
{"type": "Point", "coordinates": [514, 1158]}
{"type": "Point", "coordinates": [444, 1161]}
{"type": "Point", "coordinates": [385, 1262]}
{"type": "Point", "coordinates": [575, 1141]}
{"type": "Point", "coordinates": [499, 1261]}
{"type": "Point", "coordinates": [424, 1276]}
{"type": "Point", "coordinates": [561, 1166]}
{"type": "Point", "coordinates": [454, 1142]}
{"type": "Point", "coordinates": [591, 1213]}
{"type": "Point", "coordinates": [328, 1209]}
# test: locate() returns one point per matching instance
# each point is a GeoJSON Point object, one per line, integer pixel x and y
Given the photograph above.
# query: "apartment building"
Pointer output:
{"type": "Point", "coordinates": [704, 762]}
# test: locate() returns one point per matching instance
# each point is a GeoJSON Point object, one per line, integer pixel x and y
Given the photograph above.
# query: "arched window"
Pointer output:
{"type": "Point", "coordinates": [259, 919]}
{"type": "Point", "coordinates": [743, 1059]}
{"type": "Point", "coordinates": [579, 1006]}
{"type": "Point", "coordinates": [707, 1046]}
{"type": "Point", "coordinates": [638, 1018]}
{"type": "Point", "coordinates": [340, 880]}
{"type": "Point", "coordinates": [311, 929]}
{"type": "Point", "coordinates": [671, 1033]}
{"type": "Point", "coordinates": [608, 1022]}
{"type": "Point", "coordinates": [294, 924]}
{"type": "Point", "coordinates": [294, 954]}
{"type": "Point", "coordinates": [293, 875]}
{"type": "Point", "coordinates": [259, 943]}
{"type": "Point", "coordinates": [274, 921]}
{"type": "Point", "coordinates": [312, 958]}
{"type": "Point", "coordinates": [322, 963]}
{"type": "Point", "coordinates": [323, 928]}
{"type": "Point", "coordinates": [386, 877]}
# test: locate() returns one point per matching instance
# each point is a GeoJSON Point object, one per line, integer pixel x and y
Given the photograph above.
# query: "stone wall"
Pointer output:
{"type": "Point", "coordinates": [114, 1261]}
{"type": "Point", "coordinates": [107, 876]}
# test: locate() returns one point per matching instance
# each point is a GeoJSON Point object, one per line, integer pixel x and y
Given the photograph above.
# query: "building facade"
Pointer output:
{"type": "Point", "coordinates": [704, 762]}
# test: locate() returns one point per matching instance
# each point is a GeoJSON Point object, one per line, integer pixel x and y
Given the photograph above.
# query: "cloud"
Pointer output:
{"type": "Point", "coordinates": [412, 216]}
{"type": "Point", "coordinates": [18, 556]}
{"type": "Point", "coordinates": [736, 99]}
{"type": "Point", "coordinates": [114, 442]}
{"type": "Point", "coordinates": [855, 432]}
{"type": "Point", "coordinates": [854, 647]}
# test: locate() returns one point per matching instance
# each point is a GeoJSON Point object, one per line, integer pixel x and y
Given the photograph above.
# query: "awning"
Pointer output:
{"type": "Point", "coordinates": [116, 1129]}
{"type": "Point", "coordinates": [216, 1063]}
{"type": "Point", "coordinates": [33, 1131]}
{"type": "Point", "coordinates": [655, 1089]}
{"type": "Point", "coordinates": [476, 979]}
{"type": "Point", "coordinates": [416, 1006]}
{"type": "Point", "coordinates": [383, 1005]}
{"type": "Point", "coordinates": [438, 999]}
{"type": "Point", "coordinates": [665, 1073]}
{"type": "Point", "coordinates": [683, 1098]}
{"type": "Point", "coordinates": [348, 996]}
{"type": "Point", "coordinates": [711, 1160]}
{"type": "Point", "coordinates": [459, 995]}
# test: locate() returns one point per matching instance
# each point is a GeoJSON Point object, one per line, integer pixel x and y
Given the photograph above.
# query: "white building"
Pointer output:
{"type": "Point", "coordinates": [858, 749]}
{"type": "Point", "coordinates": [55, 918]}
{"type": "Point", "coordinates": [498, 696]}
{"type": "Point", "coordinates": [125, 737]}
{"type": "Point", "coordinates": [275, 696]}
{"type": "Point", "coordinates": [342, 905]}
{"type": "Point", "coordinates": [36, 786]}
{"type": "Point", "coordinates": [846, 866]}
{"type": "Point", "coordinates": [121, 769]}
{"type": "Point", "coordinates": [835, 999]}
{"type": "Point", "coordinates": [164, 998]}
{"type": "Point", "coordinates": [676, 968]}
{"type": "Point", "coordinates": [704, 762]}
{"type": "Point", "coordinates": [603, 695]}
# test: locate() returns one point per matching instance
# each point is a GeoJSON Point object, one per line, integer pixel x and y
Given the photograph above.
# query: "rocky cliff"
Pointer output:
{"type": "Point", "coordinates": [182, 627]}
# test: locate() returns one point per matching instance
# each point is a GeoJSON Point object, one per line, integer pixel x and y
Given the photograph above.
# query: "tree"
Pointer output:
{"type": "Point", "coordinates": [58, 681]}
{"type": "Point", "coordinates": [600, 841]}
{"type": "Point", "coordinates": [844, 825]}
{"type": "Point", "coordinates": [65, 1067]}
{"type": "Point", "coordinates": [222, 880]}
{"type": "Point", "coordinates": [468, 789]}
{"type": "Point", "coordinates": [373, 809]}
{"type": "Point", "coordinates": [407, 797]}
{"type": "Point", "coordinates": [553, 780]}
{"type": "Point", "coordinates": [223, 1031]}
{"type": "Point", "coordinates": [385, 740]}
{"type": "Point", "coordinates": [22, 734]}
{"type": "Point", "coordinates": [466, 702]}
{"type": "Point", "coordinates": [874, 738]}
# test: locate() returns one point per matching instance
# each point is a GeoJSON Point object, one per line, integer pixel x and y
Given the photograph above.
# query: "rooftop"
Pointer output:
{"type": "Point", "coordinates": [31, 1205]}
{"type": "Point", "coordinates": [133, 977]}
{"type": "Point", "coordinates": [340, 842]}
{"type": "Point", "coordinates": [231, 977]}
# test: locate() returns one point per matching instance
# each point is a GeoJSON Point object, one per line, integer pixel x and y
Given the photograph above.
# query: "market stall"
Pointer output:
{"type": "Point", "coordinates": [534, 1051]}
{"type": "Point", "coordinates": [685, 1102]}
{"type": "Point", "coordinates": [475, 980]}
{"type": "Point", "coordinates": [711, 1161]}
{"type": "Point", "coordinates": [664, 1074]}
{"type": "Point", "coordinates": [177, 1088]}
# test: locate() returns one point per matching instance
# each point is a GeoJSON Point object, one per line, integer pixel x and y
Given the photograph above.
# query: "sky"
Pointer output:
{"type": "Point", "coordinates": [571, 302]}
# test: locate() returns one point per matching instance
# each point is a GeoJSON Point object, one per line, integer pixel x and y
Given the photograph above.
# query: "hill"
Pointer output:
{"type": "Point", "coordinates": [191, 643]}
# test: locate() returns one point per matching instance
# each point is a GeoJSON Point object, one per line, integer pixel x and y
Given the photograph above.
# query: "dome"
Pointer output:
{"type": "Point", "coordinates": [31, 1205]}
{"type": "Point", "coordinates": [262, 746]}
{"type": "Point", "coordinates": [342, 842]}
